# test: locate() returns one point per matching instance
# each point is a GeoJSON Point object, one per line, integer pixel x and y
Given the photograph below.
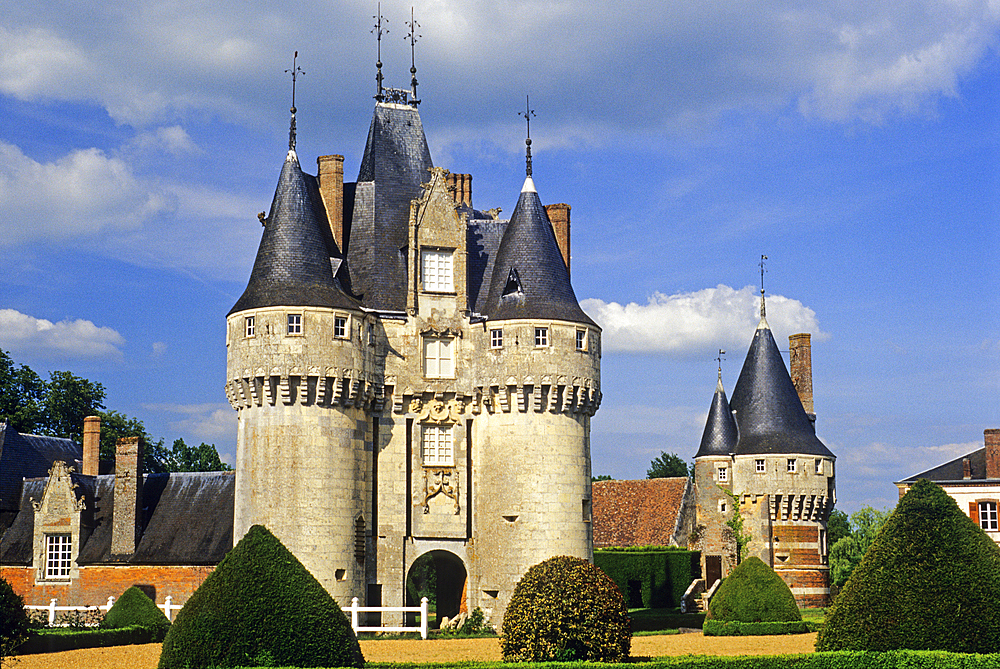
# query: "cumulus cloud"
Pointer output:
{"type": "Point", "coordinates": [691, 323]}
{"type": "Point", "coordinates": [171, 139]}
{"type": "Point", "coordinates": [210, 422]}
{"type": "Point", "coordinates": [79, 338]}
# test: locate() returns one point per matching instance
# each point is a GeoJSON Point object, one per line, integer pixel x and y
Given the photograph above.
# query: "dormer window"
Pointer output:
{"type": "Point", "coordinates": [58, 556]}
{"type": "Point", "coordinates": [436, 270]}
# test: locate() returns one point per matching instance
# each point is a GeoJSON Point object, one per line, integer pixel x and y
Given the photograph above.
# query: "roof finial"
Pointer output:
{"type": "Point", "coordinates": [527, 114]}
{"type": "Point", "coordinates": [413, 36]}
{"type": "Point", "coordinates": [719, 359]}
{"type": "Point", "coordinates": [377, 31]}
{"type": "Point", "coordinates": [296, 71]}
{"type": "Point", "coordinates": [763, 309]}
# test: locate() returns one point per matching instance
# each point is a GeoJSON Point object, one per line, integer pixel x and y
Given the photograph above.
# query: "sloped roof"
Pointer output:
{"type": "Point", "coordinates": [637, 513]}
{"type": "Point", "coordinates": [769, 413]}
{"type": "Point", "coordinates": [720, 435]}
{"type": "Point", "coordinates": [293, 265]}
{"type": "Point", "coordinates": [395, 164]}
{"type": "Point", "coordinates": [29, 456]}
{"type": "Point", "coordinates": [529, 276]}
{"type": "Point", "coordinates": [483, 237]}
{"type": "Point", "coordinates": [953, 471]}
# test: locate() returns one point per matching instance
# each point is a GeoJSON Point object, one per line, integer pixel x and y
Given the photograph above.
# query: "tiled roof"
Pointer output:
{"type": "Point", "coordinates": [720, 434]}
{"type": "Point", "coordinates": [637, 513]}
{"type": "Point", "coordinates": [769, 413]}
{"type": "Point", "coordinates": [28, 456]}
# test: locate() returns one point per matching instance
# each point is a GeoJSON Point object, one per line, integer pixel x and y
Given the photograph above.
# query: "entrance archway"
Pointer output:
{"type": "Point", "coordinates": [440, 577]}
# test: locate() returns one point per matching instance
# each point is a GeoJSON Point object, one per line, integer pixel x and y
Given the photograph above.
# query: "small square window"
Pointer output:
{"type": "Point", "coordinates": [249, 326]}
{"type": "Point", "coordinates": [437, 446]}
{"type": "Point", "coordinates": [496, 338]}
{"type": "Point", "coordinates": [436, 269]}
{"type": "Point", "coordinates": [58, 556]}
{"type": "Point", "coordinates": [294, 324]}
{"type": "Point", "coordinates": [988, 516]}
{"type": "Point", "coordinates": [723, 473]}
{"type": "Point", "coordinates": [760, 466]}
{"type": "Point", "coordinates": [340, 327]}
{"type": "Point", "coordinates": [581, 340]}
{"type": "Point", "coordinates": [541, 336]}
{"type": "Point", "coordinates": [791, 465]}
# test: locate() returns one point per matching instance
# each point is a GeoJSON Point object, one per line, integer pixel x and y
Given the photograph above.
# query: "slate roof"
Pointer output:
{"type": "Point", "coordinates": [637, 513]}
{"type": "Point", "coordinates": [28, 456]}
{"type": "Point", "coordinates": [187, 520]}
{"type": "Point", "coordinates": [529, 252]}
{"type": "Point", "coordinates": [395, 164]}
{"type": "Point", "coordinates": [953, 471]}
{"type": "Point", "coordinates": [769, 413]}
{"type": "Point", "coordinates": [482, 238]}
{"type": "Point", "coordinates": [720, 434]}
{"type": "Point", "coordinates": [293, 265]}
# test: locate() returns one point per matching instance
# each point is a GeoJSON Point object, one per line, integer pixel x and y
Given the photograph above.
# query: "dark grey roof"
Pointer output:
{"type": "Point", "coordinates": [395, 164]}
{"type": "Point", "coordinates": [187, 520]}
{"type": "Point", "coordinates": [28, 456]}
{"type": "Point", "coordinates": [293, 265]}
{"type": "Point", "coordinates": [953, 471]}
{"type": "Point", "coordinates": [529, 276]}
{"type": "Point", "coordinates": [769, 413]}
{"type": "Point", "coordinates": [720, 433]}
{"type": "Point", "coordinates": [482, 238]}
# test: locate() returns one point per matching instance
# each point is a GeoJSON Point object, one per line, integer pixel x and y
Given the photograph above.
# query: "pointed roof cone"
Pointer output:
{"type": "Point", "coordinates": [293, 266]}
{"type": "Point", "coordinates": [720, 434]}
{"type": "Point", "coordinates": [530, 279]}
{"type": "Point", "coordinates": [769, 413]}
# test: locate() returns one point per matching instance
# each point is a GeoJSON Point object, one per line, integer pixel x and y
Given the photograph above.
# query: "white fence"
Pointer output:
{"type": "Point", "coordinates": [169, 607]}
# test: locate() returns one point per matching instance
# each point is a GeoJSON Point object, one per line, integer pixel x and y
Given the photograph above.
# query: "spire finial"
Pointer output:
{"type": "Point", "coordinates": [763, 309]}
{"type": "Point", "coordinates": [527, 114]}
{"type": "Point", "coordinates": [296, 71]}
{"type": "Point", "coordinates": [719, 359]}
{"type": "Point", "coordinates": [377, 31]}
{"type": "Point", "coordinates": [413, 36]}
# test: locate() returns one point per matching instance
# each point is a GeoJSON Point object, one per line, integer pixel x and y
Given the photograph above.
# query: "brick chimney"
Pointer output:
{"type": "Point", "coordinates": [802, 369]}
{"type": "Point", "coordinates": [91, 445]}
{"type": "Point", "coordinates": [462, 185]}
{"type": "Point", "coordinates": [992, 439]}
{"type": "Point", "coordinates": [128, 496]}
{"type": "Point", "coordinates": [966, 468]}
{"type": "Point", "coordinates": [559, 218]}
{"type": "Point", "coordinates": [330, 175]}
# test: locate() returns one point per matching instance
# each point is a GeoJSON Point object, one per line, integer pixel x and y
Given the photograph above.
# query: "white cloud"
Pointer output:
{"type": "Point", "coordinates": [692, 323]}
{"type": "Point", "coordinates": [210, 422]}
{"type": "Point", "coordinates": [172, 139]}
{"type": "Point", "coordinates": [25, 334]}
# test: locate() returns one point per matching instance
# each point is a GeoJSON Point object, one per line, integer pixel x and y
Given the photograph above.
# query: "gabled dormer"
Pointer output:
{"type": "Point", "coordinates": [59, 527]}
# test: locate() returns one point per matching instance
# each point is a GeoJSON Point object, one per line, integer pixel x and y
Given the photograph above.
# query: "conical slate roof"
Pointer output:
{"type": "Point", "coordinates": [769, 413]}
{"type": "Point", "coordinates": [530, 279]}
{"type": "Point", "coordinates": [293, 266]}
{"type": "Point", "coordinates": [720, 433]}
{"type": "Point", "coordinates": [395, 164]}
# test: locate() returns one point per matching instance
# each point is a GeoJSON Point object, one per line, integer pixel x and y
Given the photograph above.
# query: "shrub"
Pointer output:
{"type": "Point", "coordinates": [649, 576]}
{"type": "Point", "coordinates": [13, 620]}
{"type": "Point", "coordinates": [734, 628]}
{"type": "Point", "coordinates": [565, 609]}
{"type": "Point", "coordinates": [260, 606]}
{"type": "Point", "coordinates": [135, 608]}
{"type": "Point", "coordinates": [930, 581]}
{"type": "Point", "coordinates": [753, 593]}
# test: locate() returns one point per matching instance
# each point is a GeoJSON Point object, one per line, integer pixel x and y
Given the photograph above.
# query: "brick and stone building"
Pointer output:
{"type": "Point", "coordinates": [760, 451]}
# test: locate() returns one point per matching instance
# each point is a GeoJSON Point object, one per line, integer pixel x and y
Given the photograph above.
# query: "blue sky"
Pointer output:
{"type": "Point", "coordinates": [856, 144]}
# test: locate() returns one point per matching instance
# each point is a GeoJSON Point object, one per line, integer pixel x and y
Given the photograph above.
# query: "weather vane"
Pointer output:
{"type": "Point", "coordinates": [527, 114]}
{"type": "Point", "coordinates": [763, 310]}
{"type": "Point", "coordinates": [377, 30]}
{"type": "Point", "coordinates": [413, 37]}
{"type": "Point", "coordinates": [719, 359]}
{"type": "Point", "coordinates": [296, 71]}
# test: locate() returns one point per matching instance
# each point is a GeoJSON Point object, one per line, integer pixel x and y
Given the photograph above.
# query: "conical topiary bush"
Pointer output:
{"type": "Point", "coordinates": [753, 593]}
{"type": "Point", "coordinates": [135, 608]}
{"type": "Point", "coordinates": [929, 581]}
{"type": "Point", "coordinates": [260, 607]}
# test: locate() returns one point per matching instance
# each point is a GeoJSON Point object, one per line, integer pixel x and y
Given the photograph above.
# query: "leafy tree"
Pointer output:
{"type": "Point", "coordinates": [735, 525]}
{"type": "Point", "coordinates": [838, 526]}
{"type": "Point", "coordinates": [666, 465]}
{"type": "Point", "coordinates": [21, 395]}
{"type": "Point", "coordinates": [115, 426]}
{"type": "Point", "coordinates": [846, 552]}
{"type": "Point", "coordinates": [13, 620]}
{"type": "Point", "coordinates": [601, 477]}
{"type": "Point", "coordinates": [203, 458]}
{"type": "Point", "coordinates": [68, 400]}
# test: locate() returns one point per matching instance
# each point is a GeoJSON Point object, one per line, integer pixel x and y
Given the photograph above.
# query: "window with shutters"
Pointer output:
{"type": "Point", "coordinates": [988, 516]}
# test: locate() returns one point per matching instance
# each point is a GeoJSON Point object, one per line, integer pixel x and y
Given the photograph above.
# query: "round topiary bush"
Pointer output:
{"type": "Point", "coordinates": [929, 581]}
{"type": "Point", "coordinates": [260, 607]}
{"type": "Point", "coordinates": [13, 620]}
{"type": "Point", "coordinates": [135, 608]}
{"type": "Point", "coordinates": [566, 609]}
{"type": "Point", "coordinates": [753, 593]}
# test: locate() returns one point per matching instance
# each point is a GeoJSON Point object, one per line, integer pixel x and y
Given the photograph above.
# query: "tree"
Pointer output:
{"type": "Point", "coordinates": [203, 458]}
{"type": "Point", "coordinates": [601, 477]}
{"type": "Point", "coordinates": [735, 525]}
{"type": "Point", "coordinates": [115, 426]}
{"type": "Point", "coordinates": [847, 551]}
{"type": "Point", "coordinates": [666, 465]}
{"type": "Point", "coordinates": [68, 400]}
{"type": "Point", "coordinates": [838, 526]}
{"type": "Point", "coordinates": [21, 395]}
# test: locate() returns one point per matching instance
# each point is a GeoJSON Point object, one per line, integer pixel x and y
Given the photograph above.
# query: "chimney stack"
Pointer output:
{"type": "Point", "coordinates": [462, 185]}
{"type": "Point", "coordinates": [559, 218]}
{"type": "Point", "coordinates": [992, 439]}
{"type": "Point", "coordinates": [966, 468]}
{"type": "Point", "coordinates": [330, 175]}
{"type": "Point", "coordinates": [127, 498]}
{"type": "Point", "coordinates": [802, 369]}
{"type": "Point", "coordinates": [91, 445]}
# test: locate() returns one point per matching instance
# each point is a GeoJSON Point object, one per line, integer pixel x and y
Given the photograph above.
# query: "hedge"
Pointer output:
{"type": "Point", "coordinates": [58, 640]}
{"type": "Point", "coordinates": [735, 628]}
{"type": "Point", "coordinates": [662, 573]}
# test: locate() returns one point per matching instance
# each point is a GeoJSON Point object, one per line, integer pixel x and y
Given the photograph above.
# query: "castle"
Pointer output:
{"type": "Point", "coordinates": [412, 377]}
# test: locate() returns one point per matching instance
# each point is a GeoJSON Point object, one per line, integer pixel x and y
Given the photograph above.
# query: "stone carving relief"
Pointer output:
{"type": "Point", "coordinates": [437, 412]}
{"type": "Point", "coordinates": [440, 481]}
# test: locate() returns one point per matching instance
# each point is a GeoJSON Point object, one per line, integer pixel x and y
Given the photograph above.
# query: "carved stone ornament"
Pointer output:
{"type": "Point", "coordinates": [438, 412]}
{"type": "Point", "coordinates": [438, 481]}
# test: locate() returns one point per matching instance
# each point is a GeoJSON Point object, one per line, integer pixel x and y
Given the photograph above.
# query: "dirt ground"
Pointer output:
{"type": "Point", "coordinates": [442, 650]}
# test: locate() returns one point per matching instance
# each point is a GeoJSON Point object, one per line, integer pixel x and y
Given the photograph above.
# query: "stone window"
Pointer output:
{"type": "Point", "coordinates": [439, 362]}
{"type": "Point", "coordinates": [371, 334]}
{"type": "Point", "coordinates": [791, 465]}
{"type": "Point", "coordinates": [58, 556]}
{"type": "Point", "coordinates": [249, 325]}
{"type": "Point", "coordinates": [723, 474]}
{"type": "Point", "coordinates": [722, 506]}
{"type": "Point", "coordinates": [436, 269]}
{"type": "Point", "coordinates": [819, 465]}
{"type": "Point", "coordinates": [340, 327]}
{"type": "Point", "coordinates": [581, 340]}
{"type": "Point", "coordinates": [437, 446]}
{"type": "Point", "coordinates": [759, 463]}
{"type": "Point", "coordinates": [541, 336]}
{"type": "Point", "coordinates": [988, 516]}
{"type": "Point", "coordinates": [294, 324]}
{"type": "Point", "coordinates": [496, 338]}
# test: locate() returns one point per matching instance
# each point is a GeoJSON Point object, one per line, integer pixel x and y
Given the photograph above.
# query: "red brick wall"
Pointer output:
{"type": "Point", "coordinates": [96, 584]}
{"type": "Point", "coordinates": [800, 533]}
